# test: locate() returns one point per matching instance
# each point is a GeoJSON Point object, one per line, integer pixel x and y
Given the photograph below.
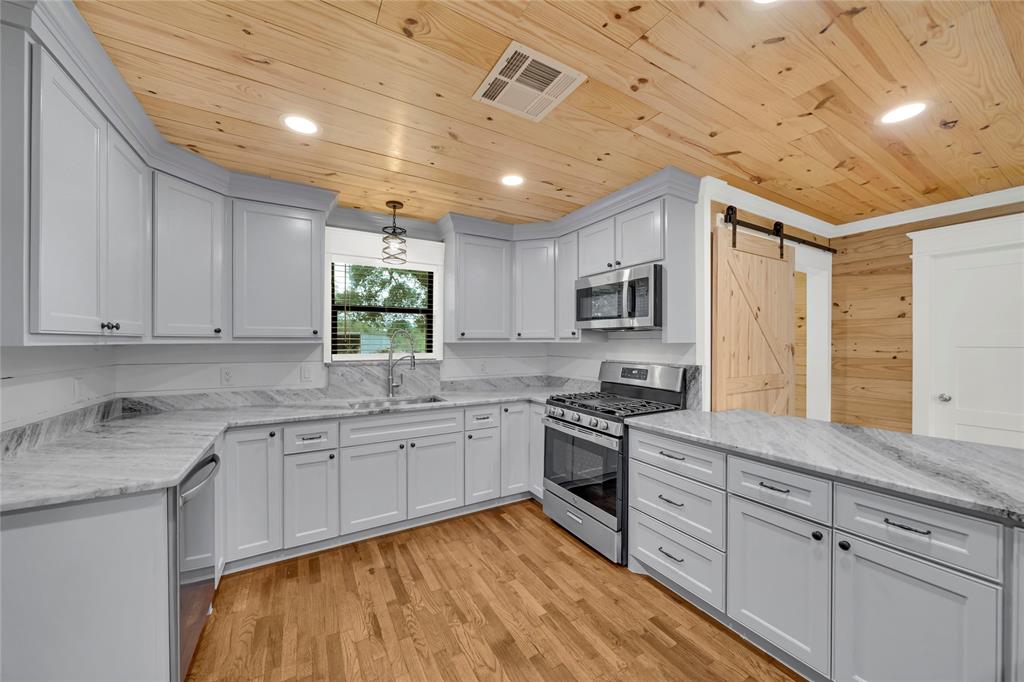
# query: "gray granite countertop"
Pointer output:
{"type": "Point", "coordinates": [969, 476]}
{"type": "Point", "coordinates": [154, 451]}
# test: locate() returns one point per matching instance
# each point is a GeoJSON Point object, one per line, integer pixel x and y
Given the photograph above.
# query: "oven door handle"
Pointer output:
{"type": "Point", "coordinates": [577, 432]}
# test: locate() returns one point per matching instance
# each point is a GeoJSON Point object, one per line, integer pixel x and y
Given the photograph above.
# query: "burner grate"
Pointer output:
{"type": "Point", "coordinates": [611, 404]}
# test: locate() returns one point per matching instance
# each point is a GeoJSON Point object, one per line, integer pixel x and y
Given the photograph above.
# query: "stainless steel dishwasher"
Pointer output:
{"type": "Point", "coordinates": [192, 529]}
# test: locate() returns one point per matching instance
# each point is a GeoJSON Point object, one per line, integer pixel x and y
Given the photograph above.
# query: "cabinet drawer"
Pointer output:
{"type": "Point", "coordinates": [310, 436]}
{"type": "Point", "coordinates": [483, 417]}
{"type": "Point", "coordinates": [690, 564]}
{"type": "Point", "coordinates": [685, 505]}
{"type": "Point", "coordinates": [686, 459]}
{"type": "Point", "coordinates": [780, 488]}
{"type": "Point", "coordinates": [384, 427]}
{"type": "Point", "coordinates": [971, 544]}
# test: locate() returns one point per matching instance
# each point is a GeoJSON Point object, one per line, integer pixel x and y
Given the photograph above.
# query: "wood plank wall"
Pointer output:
{"type": "Point", "coordinates": [872, 343]}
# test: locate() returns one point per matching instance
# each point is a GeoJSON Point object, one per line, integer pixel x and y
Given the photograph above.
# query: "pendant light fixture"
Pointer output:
{"type": "Point", "coordinates": [394, 244]}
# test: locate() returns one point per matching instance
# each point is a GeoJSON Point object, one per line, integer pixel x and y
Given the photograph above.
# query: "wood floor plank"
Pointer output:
{"type": "Point", "coordinates": [504, 594]}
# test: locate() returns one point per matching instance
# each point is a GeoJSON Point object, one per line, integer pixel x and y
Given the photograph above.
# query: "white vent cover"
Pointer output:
{"type": "Point", "coordinates": [527, 83]}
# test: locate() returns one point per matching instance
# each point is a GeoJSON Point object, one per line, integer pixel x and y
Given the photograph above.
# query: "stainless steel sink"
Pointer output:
{"type": "Point", "coordinates": [394, 402]}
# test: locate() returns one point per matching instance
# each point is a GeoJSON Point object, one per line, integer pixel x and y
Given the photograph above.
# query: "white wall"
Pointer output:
{"type": "Point", "coordinates": [468, 361]}
{"type": "Point", "coordinates": [583, 360]}
{"type": "Point", "coordinates": [44, 382]}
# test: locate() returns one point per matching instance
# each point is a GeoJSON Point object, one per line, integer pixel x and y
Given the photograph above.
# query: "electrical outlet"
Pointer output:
{"type": "Point", "coordinates": [305, 374]}
{"type": "Point", "coordinates": [227, 377]}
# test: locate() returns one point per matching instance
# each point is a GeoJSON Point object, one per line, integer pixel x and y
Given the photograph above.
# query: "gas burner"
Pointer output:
{"type": "Point", "coordinates": [610, 404]}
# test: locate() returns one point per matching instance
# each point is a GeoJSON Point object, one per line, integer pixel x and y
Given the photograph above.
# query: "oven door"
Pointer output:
{"type": "Point", "coordinates": [586, 470]}
{"type": "Point", "coordinates": [624, 299]}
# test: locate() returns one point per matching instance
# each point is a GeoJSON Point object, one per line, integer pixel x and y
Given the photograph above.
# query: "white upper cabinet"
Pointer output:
{"type": "Point", "coordinates": [126, 258]}
{"type": "Point", "coordinates": [899, 618]}
{"type": "Point", "coordinates": [639, 235]}
{"type": "Point", "coordinates": [69, 207]}
{"type": "Point", "coordinates": [629, 238]}
{"type": "Point", "coordinates": [482, 281]}
{"type": "Point", "coordinates": [778, 580]}
{"type": "Point", "coordinates": [566, 269]}
{"type": "Point", "coordinates": [534, 277]}
{"type": "Point", "coordinates": [597, 247]}
{"type": "Point", "coordinates": [188, 237]}
{"type": "Point", "coordinates": [278, 271]}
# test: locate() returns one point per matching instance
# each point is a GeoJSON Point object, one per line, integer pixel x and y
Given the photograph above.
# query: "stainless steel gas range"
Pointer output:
{"type": "Point", "coordinates": [585, 456]}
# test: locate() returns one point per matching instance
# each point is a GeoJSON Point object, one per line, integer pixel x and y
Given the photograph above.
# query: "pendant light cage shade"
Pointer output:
{"type": "Point", "coordinates": [394, 244]}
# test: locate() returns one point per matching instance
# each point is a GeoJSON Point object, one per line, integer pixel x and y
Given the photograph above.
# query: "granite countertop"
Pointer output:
{"type": "Point", "coordinates": [970, 476]}
{"type": "Point", "coordinates": [154, 451]}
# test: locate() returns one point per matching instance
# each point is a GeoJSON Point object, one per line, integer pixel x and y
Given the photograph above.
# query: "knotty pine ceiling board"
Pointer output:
{"type": "Point", "coordinates": [781, 100]}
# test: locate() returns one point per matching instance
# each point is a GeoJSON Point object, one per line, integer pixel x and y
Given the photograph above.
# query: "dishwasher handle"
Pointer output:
{"type": "Point", "coordinates": [214, 459]}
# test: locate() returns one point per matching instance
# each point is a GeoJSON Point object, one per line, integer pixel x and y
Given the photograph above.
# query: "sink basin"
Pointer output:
{"type": "Point", "coordinates": [394, 402]}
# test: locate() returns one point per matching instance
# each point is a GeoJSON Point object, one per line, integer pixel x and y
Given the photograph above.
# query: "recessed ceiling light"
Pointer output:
{"type": "Point", "coordinates": [300, 124]}
{"type": "Point", "coordinates": [764, 2]}
{"type": "Point", "coordinates": [512, 180]}
{"type": "Point", "coordinates": [902, 113]}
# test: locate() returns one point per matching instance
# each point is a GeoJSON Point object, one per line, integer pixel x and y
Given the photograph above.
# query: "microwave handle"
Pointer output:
{"type": "Point", "coordinates": [630, 298]}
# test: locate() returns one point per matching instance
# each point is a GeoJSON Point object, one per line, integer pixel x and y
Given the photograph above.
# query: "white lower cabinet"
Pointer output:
{"type": "Point", "coordinates": [515, 448]}
{"type": "Point", "coordinates": [253, 466]}
{"type": "Point", "coordinates": [483, 465]}
{"type": "Point", "coordinates": [537, 450]}
{"type": "Point", "coordinates": [311, 487]}
{"type": "Point", "coordinates": [373, 485]}
{"type": "Point", "coordinates": [900, 618]}
{"type": "Point", "coordinates": [778, 580]}
{"type": "Point", "coordinates": [436, 474]}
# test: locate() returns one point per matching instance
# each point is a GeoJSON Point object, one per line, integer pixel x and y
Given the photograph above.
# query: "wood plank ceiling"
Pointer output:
{"type": "Point", "coordinates": [780, 99]}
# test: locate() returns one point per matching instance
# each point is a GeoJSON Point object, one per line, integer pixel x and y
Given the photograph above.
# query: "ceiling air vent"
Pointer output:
{"type": "Point", "coordinates": [527, 83]}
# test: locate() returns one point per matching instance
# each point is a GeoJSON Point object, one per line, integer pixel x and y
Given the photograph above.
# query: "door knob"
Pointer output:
{"type": "Point", "coordinates": [944, 397]}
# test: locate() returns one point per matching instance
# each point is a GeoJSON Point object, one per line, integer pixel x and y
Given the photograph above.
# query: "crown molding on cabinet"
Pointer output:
{"type": "Point", "coordinates": [60, 28]}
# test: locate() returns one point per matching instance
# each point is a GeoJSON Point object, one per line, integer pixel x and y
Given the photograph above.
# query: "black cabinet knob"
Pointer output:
{"type": "Point", "coordinates": [401, 446]}
{"type": "Point", "coordinates": [618, 262]}
{"type": "Point", "coordinates": [609, 265]}
{"type": "Point", "coordinates": [462, 333]}
{"type": "Point", "coordinates": [817, 535]}
{"type": "Point", "coordinates": [412, 445]}
{"type": "Point", "coordinates": [844, 545]}
{"type": "Point", "coordinates": [273, 433]}
{"type": "Point", "coordinates": [331, 456]}
{"type": "Point", "coordinates": [315, 332]}
{"type": "Point", "coordinates": [469, 436]}
{"type": "Point", "coordinates": [216, 330]}
{"type": "Point", "coordinates": [519, 333]}
{"type": "Point", "coordinates": [574, 333]}
{"type": "Point", "coordinates": [117, 325]}
{"type": "Point", "coordinates": [105, 325]}
{"type": "Point", "coordinates": [506, 409]}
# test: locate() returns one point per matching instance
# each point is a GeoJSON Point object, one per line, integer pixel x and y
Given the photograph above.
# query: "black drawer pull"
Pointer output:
{"type": "Point", "coordinates": [676, 559]}
{"type": "Point", "coordinates": [317, 437]}
{"type": "Point", "coordinates": [665, 454]}
{"type": "Point", "coordinates": [673, 502]}
{"type": "Point", "coordinates": [784, 491]}
{"type": "Point", "coordinates": [903, 527]}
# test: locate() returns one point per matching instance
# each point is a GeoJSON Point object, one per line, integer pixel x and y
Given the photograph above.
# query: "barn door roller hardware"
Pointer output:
{"type": "Point", "coordinates": [777, 230]}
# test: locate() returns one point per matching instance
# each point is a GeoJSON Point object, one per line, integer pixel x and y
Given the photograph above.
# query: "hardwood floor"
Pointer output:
{"type": "Point", "coordinates": [501, 594]}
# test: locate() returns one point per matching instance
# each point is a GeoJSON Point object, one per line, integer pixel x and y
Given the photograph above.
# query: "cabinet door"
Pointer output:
{"type": "Point", "coordinates": [597, 247]}
{"type": "Point", "coordinates": [483, 465]}
{"type": "Point", "coordinates": [535, 289]}
{"type": "Point", "coordinates": [515, 448]}
{"type": "Point", "coordinates": [311, 491]}
{"type": "Point", "coordinates": [253, 462]}
{"type": "Point", "coordinates": [188, 259]}
{"type": "Point", "coordinates": [436, 474]}
{"type": "Point", "coordinates": [373, 485]}
{"type": "Point", "coordinates": [483, 272]}
{"type": "Point", "coordinates": [278, 268]}
{"type": "Point", "coordinates": [1018, 607]}
{"type": "Point", "coordinates": [778, 580]}
{"type": "Point", "coordinates": [566, 267]}
{"type": "Point", "coordinates": [537, 450]}
{"type": "Point", "coordinates": [125, 263]}
{"type": "Point", "coordinates": [899, 618]}
{"type": "Point", "coordinates": [68, 205]}
{"type": "Point", "coordinates": [639, 235]}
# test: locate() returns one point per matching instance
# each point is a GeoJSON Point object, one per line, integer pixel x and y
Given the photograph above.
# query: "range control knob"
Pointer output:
{"type": "Point", "coordinates": [558, 412]}
{"type": "Point", "coordinates": [603, 425]}
{"type": "Point", "coordinates": [575, 417]}
{"type": "Point", "coordinates": [592, 422]}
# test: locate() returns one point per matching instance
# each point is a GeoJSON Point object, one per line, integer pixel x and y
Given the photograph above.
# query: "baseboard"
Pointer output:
{"type": "Point", "coordinates": [250, 563]}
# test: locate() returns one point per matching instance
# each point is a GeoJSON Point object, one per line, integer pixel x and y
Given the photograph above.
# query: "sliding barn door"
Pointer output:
{"type": "Point", "coordinates": [752, 324]}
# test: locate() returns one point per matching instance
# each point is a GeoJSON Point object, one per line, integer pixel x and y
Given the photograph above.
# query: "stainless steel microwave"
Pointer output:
{"type": "Point", "coordinates": [629, 298]}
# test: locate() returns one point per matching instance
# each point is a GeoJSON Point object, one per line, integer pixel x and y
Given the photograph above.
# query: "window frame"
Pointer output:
{"type": "Point", "coordinates": [436, 309]}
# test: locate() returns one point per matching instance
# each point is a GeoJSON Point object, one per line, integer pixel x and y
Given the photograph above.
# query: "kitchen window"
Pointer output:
{"type": "Point", "coordinates": [370, 302]}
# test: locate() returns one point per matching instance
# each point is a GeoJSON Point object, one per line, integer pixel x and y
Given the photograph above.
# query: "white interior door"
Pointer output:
{"type": "Point", "coordinates": [972, 358]}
